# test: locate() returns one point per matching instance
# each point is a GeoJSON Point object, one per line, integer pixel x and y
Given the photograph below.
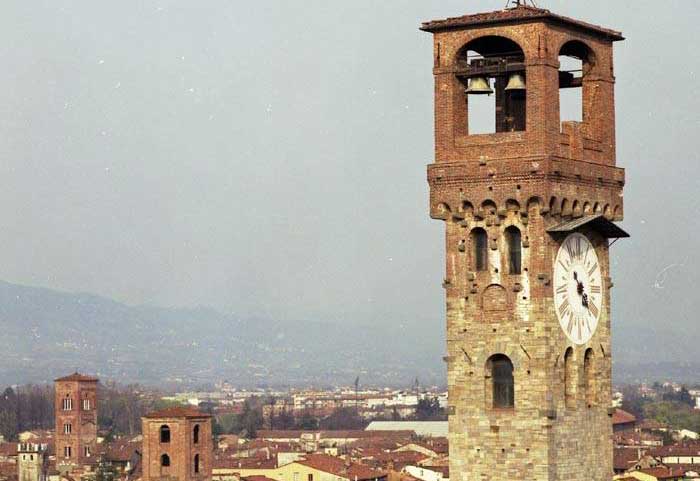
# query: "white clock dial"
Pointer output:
{"type": "Point", "coordinates": [578, 288]}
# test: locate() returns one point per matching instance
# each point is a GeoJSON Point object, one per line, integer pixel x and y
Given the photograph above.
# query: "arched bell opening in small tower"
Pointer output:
{"type": "Point", "coordinates": [493, 65]}
{"type": "Point", "coordinates": [576, 60]}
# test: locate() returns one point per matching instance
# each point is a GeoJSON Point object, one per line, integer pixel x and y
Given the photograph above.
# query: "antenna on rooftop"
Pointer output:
{"type": "Point", "coordinates": [521, 3]}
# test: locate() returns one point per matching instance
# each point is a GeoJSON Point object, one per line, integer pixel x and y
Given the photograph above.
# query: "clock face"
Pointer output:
{"type": "Point", "coordinates": [578, 288]}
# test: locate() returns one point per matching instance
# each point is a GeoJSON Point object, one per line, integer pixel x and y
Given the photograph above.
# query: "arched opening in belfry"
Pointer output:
{"type": "Point", "coordinates": [576, 60]}
{"type": "Point", "coordinates": [164, 433]}
{"type": "Point", "coordinates": [492, 71]}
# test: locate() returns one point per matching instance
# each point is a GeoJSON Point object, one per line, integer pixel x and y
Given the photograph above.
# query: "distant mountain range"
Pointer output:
{"type": "Point", "coordinates": [47, 333]}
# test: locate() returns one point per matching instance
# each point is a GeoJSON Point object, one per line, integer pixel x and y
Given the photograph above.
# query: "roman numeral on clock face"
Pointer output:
{"type": "Point", "coordinates": [569, 250]}
{"type": "Point", "coordinates": [593, 309]}
{"type": "Point", "coordinates": [593, 268]}
{"type": "Point", "coordinates": [595, 289]}
{"type": "Point", "coordinates": [570, 326]}
{"type": "Point", "coordinates": [564, 307]}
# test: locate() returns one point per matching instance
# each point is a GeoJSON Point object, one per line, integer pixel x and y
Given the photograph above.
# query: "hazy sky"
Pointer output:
{"type": "Point", "coordinates": [268, 158]}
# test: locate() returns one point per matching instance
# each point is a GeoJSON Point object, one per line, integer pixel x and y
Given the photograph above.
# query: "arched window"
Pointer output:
{"type": "Point", "coordinates": [165, 460]}
{"type": "Point", "coordinates": [195, 434]}
{"type": "Point", "coordinates": [196, 463]}
{"type": "Point", "coordinates": [575, 62]}
{"type": "Point", "coordinates": [491, 65]}
{"type": "Point", "coordinates": [499, 375]}
{"type": "Point", "coordinates": [480, 249]}
{"type": "Point", "coordinates": [569, 378]}
{"type": "Point", "coordinates": [589, 375]}
{"type": "Point", "coordinates": [514, 241]}
{"type": "Point", "coordinates": [164, 433]}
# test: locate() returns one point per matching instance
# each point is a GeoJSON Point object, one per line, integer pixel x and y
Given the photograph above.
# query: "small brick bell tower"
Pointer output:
{"type": "Point", "coordinates": [177, 445]}
{"type": "Point", "coordinates": [529, 210]}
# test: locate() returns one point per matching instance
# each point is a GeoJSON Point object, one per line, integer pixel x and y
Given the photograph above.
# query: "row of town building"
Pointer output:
{"type": "Point", "coordinates": [642, 452]}
{"type": "Point", "coordinates": [177, 444]}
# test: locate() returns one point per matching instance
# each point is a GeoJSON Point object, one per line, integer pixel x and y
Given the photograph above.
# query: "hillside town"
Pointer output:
{"type": "Point", "coordinates": [398, 436]}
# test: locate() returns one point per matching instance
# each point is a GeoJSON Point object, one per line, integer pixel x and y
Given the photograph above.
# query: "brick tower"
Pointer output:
{"type": "Point", "coordinates": [529, 212]}
{"type": "Point", "coordinates": [76, 418]}
{"type": "Point", "coordinates": [177, 444]}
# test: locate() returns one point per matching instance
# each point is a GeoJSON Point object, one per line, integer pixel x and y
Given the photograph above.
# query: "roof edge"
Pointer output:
{"type": "Point", "coordinates": [534, 14]}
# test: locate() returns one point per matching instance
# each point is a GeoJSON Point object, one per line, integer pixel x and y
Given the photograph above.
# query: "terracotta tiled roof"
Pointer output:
{"type": "Point", "coordinates": [405, 457]}
{"type": "Point", "coordinates": [120, 450]}
{"type": "Point", "coordinates": [445, 470]}
{"type": "Point", "coordinates": [280, 434]}
{"type": "Point", "coordinates": [337, 467]}
{"type": "Point", "coordinates": [257, 478]}
{"type": "Point", "coordinates": [335, 434]}
{"type": "Point", "coordinates": [651, 425]}
{"type": "Point", "coordinates": [633, 438]}
{"type": "Point", "coordinates": [244, 463]}
{"type": "Point", "coordinates": [625, 458]}
{"type": "Point", "coordinates": [376, 443]}
{"type": "Point", "coordinates": [623, 417]}
{"type": "Point", "coordinates": [357, 434]}
{"type": "Point", "coordinates": [8, 449]}
{"type": "Point", "coordinates": [76, 376]}
{"type": "Point", "coordinates": [178, 412]}
{"type": "Point", "coordinates": [438, 444]}
{"type": "Point", "coordinates": [512, 15]}
{"type": "Point", "coordinates": [663, 472]}
{"type": "Point", "coordinates": [677, 450]}
{"type": "Point", "coordinates": [8, 470]}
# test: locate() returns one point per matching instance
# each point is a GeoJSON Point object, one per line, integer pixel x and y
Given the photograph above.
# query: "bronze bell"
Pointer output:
{"type": "Point", "coordinates": [516, 82]}
{"type": "Point", "coordinates": [479, 86]}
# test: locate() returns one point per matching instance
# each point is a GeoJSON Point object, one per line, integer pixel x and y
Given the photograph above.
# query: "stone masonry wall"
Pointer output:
{"type": "Point", "coordinates": [532, 180]}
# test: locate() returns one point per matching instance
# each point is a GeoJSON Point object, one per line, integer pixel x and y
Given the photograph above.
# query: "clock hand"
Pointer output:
{"type": "Point", "coordinates": [579, 284]}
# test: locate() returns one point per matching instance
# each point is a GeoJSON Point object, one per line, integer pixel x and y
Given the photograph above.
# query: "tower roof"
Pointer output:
{"type": "Point", "coordinates": [520, 14]}
{"type": "Point", "coordinates": [76, 376]}
{"type": "Point", "coordinates": [598, 222]}
{"type": "Point", "coordinates": [177, 412]}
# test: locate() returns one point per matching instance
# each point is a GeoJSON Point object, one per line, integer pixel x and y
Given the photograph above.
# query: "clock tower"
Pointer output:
{"type": "Point", "coordinates": [529, 211]}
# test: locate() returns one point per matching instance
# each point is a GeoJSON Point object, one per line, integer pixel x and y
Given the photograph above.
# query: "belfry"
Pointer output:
{"type": "Point", "coordinates": [529, 211]}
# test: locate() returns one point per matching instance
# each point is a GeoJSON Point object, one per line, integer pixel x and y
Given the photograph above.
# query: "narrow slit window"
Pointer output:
{"type": "Point", "coordinates": [589, 375]}
{"type": "Point", "coordinates": [480, 247]}
{"type": "Point", "coordinates": [569, 378]}
{"type": "Point", "coordinates": [514, 239]}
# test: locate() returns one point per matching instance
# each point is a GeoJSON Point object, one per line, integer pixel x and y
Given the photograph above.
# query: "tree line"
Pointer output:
{"type": "Point", "coordinates": [120, 409]}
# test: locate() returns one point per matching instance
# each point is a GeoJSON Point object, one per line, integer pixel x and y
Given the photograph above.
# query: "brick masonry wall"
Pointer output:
{"type": "Point", "coordinates": [532, 180]}
{"type": "Point", "coordinates": [181, 449]}
{"type": "Point", "coordinates": [83, 422]}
